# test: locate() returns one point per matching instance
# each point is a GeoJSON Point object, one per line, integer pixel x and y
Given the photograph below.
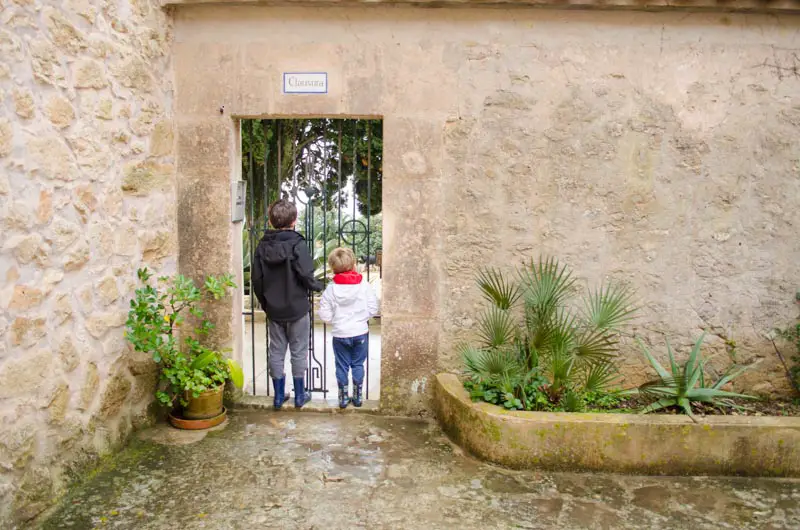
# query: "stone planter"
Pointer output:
{"type": "Point", "coordinates": [628, 443]}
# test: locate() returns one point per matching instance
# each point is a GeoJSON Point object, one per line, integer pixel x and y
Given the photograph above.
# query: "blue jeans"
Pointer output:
{"type": "Point", "coordinates": [350, 353]}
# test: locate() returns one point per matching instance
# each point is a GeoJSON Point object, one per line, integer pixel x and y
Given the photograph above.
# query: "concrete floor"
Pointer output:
{"type": "Point", "coordinates": [336, 471]}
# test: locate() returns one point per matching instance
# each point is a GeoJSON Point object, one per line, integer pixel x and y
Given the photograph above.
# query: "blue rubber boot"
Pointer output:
{"type": "Point", "coordinates": [344, 399]}
{"type": "Point", "coordinates": [356, 399]}
{"type": "Point", "coordinates": [280, 392]}
{"type": "Point", "coordinates": [301, 397]}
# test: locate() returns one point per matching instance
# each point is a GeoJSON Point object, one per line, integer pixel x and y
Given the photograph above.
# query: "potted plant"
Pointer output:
{"type": "Point", "coordinates": [167, 321]}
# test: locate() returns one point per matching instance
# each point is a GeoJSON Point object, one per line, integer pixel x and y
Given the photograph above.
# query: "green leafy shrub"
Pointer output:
{"type": "Point", "coordinates": [792, 335]}
{"type": "Point", "coordinates": [602, 401]}
{"type": "Point", "coordinates": [157, 313]}
{"type": "Point", "coordinates": [685, 384]}
{"type": "Point", "coordinates": [536, 350]}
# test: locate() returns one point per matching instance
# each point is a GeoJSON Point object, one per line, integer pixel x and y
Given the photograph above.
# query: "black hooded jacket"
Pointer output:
{"type": "Point", "coordinates": [283, 274]}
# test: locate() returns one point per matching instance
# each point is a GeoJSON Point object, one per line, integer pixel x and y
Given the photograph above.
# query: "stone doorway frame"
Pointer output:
{"type": "Point", "coordinates": [220, 78]}
{"type": "Point", "coordinates": [209, 164]}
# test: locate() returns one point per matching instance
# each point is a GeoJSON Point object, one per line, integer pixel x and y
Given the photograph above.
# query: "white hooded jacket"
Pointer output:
{"type": "Point", "coordinates": [347, 304]}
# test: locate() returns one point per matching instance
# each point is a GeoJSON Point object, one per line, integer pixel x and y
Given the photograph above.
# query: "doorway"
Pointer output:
{"type": "Point", "coordinates": [332, 170]}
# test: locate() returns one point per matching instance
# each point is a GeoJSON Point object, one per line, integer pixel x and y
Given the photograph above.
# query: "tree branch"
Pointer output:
{"type": "Point", "coordinates": [792, 382]}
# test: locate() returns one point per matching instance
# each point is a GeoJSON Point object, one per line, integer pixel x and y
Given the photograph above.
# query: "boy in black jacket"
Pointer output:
{"type": "Point", "coordinates": [283, 275]}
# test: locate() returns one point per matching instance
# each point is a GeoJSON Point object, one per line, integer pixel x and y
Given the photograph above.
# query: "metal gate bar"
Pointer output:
{"type": "Point", "coordinates": [310, 166]}
{"type": "Point", "coordinates": [369, 216]}
{"type": "Point", "coordinates": [251, 233]}
{"type": "Point", "coordinates": [252, 255]}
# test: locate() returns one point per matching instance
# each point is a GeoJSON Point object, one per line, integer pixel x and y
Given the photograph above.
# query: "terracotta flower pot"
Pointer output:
{"type": "Point", "coordinates": [207, 405]}
{"type": "Point", "coordinates": [197, 425]}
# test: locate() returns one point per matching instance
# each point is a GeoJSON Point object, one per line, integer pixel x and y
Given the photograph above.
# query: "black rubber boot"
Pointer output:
{"type": "Point", "coordinates": [356, 399]}
{"type": "Point", "coordinates": [280, 392]}
{"type": "Point", "coordinates": [344, 399]}
{"type": "Point", "coordinates": [301, 397]}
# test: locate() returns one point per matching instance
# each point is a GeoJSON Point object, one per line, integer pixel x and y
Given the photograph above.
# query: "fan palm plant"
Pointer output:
{"type": "Point", "coordinates": [533, 332]}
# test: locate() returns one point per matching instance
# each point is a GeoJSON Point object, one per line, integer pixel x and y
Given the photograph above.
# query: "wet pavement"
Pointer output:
{"type": "Point", "coordinates": [332, 471]}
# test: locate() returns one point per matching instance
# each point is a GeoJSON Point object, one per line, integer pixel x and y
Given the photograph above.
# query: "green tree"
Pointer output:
{"type": "Point", "coordinates": [305, 155]}
{"type": "Point", "coordinates": [325, 235]}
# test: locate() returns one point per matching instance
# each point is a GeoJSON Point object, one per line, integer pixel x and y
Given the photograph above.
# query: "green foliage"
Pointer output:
{"type": "Point", "coordinates": [495, 328]}
{"type": "Point", "coordinates": [602, 400]}
{"type": "Point", "coordinates": [157, 313]}
{"type": "Point", "coordinates": [324, 232]}
{"type": "Point", "coordinates": [792, 335]}
{"type": "Point", "coordinates": [236, 373]}
{"type": "Point", "coordinates": [247, 258]}
{"type": "Point", "coordinates": [608, 307]}
{"type": "Point", "coordinates": [325, 236]}
{"type": "Point", "coordinates": [535, 349]}
{"type": "Point", "coordinates": [286, 156]}
{"type": "Point", "coordinates": [537, 399]}
{"type": "Point", "coordinates": [277, 154]}
{"type": "Point", "coordinates": [497, 289]}
{"type": "Point", "coordinates": [375, 237]}
{"type": "Point", "coordinates": [682, 385]}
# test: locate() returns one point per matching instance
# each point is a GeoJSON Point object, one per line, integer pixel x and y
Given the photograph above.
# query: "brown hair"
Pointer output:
{"type": "Point", "coordinates": [282, 214]}
{"type": "Point", "coordinates": [342, 260]}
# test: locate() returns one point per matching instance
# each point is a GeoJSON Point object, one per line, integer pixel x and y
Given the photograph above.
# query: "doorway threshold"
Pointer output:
{"type": "Point", "coordinates": [248, 402]}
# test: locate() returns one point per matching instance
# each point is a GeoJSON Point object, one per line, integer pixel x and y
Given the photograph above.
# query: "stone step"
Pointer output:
{"type": "Point", "coordinates": [316, 405]}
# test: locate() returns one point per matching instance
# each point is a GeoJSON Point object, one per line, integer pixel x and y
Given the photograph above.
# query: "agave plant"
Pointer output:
{"type": "Point", "coordinates": [685, 384]}
{"type": "Point", "coordinates": [533, 332]}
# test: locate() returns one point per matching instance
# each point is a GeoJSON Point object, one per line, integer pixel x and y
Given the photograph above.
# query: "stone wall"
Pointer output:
{"type": "Point", "coordinates": [653, 148]}
{"type": "Point", "coordinates": [656, 149]}
{"type": "Point", "coordinates": [86, 197]}
{"type": "Point", "coordinates": [695, 6]}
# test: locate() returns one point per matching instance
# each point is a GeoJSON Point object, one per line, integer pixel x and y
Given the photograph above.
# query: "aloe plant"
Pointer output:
{"type": "Point", "coordinates": [533, 333]}
{"type": "Point", "coordinates": [682, 385]}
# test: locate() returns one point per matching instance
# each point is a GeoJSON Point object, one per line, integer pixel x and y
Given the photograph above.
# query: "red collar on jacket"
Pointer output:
{"type": "Point", "coordinates": [347, 278]}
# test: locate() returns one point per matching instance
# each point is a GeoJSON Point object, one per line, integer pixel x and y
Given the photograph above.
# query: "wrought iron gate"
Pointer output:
{"type": "Point", "coordinates": [332, 170]}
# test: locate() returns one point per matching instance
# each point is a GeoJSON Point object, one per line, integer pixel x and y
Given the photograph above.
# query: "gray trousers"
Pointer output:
{"type": "Point", "coordinates": [295, 336]}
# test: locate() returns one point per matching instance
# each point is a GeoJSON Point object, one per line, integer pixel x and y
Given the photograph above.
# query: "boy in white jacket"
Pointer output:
{"type": "Point", "coordinates": [347, 304]}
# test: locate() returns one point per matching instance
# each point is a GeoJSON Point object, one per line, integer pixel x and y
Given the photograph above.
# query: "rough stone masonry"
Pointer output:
{"type": "Point", "coordinates": [653, 148]}
{"type": "Point", "coordinates": [87, 195]}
